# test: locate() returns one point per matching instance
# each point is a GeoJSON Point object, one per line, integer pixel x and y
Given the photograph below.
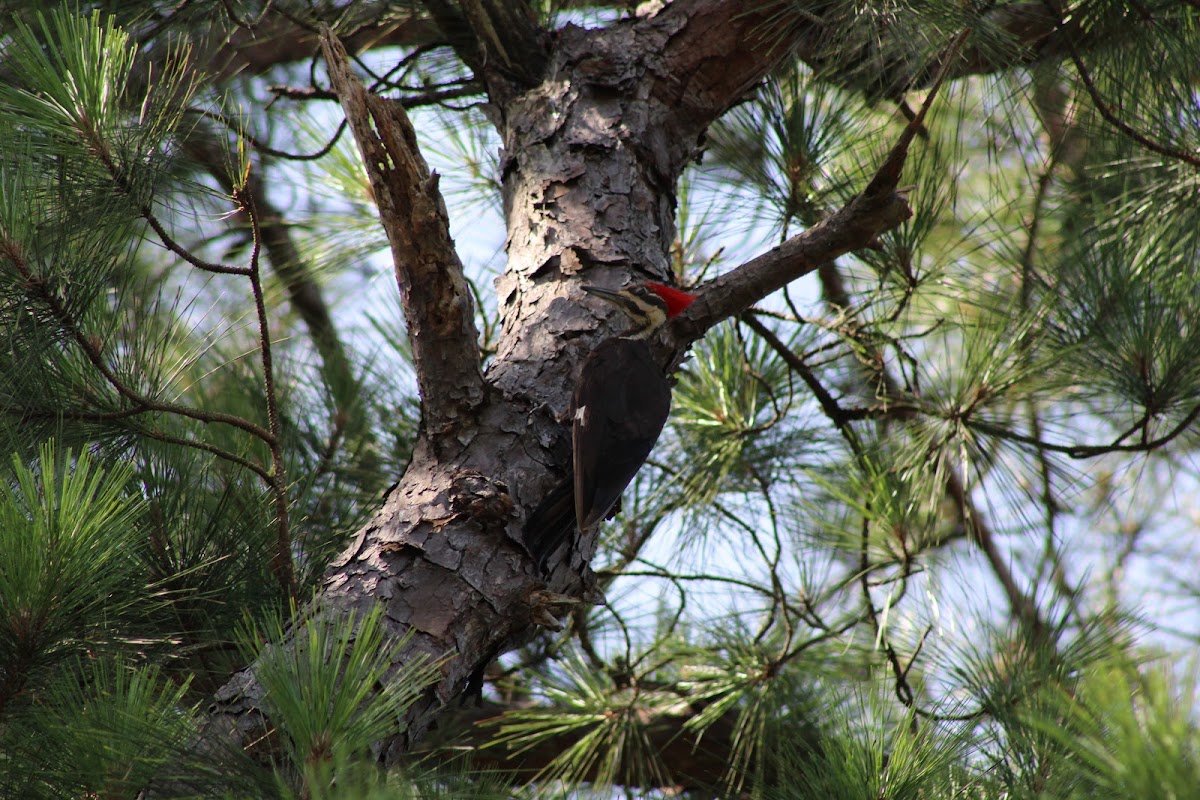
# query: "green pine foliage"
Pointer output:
{"type": "Point", "coordinates": [69, 534]}
{"type": "Point", "coordinates": [139, 522]}
{"type": "Point", "coordinates": [332, 698]}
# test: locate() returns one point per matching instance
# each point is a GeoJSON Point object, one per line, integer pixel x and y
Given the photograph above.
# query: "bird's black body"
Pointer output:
{"type": "Point", "coordinates": [621, 403]}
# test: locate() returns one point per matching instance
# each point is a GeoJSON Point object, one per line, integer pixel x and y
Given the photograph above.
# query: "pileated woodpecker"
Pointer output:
{"type": "Point", "coordinates": [621, 403]}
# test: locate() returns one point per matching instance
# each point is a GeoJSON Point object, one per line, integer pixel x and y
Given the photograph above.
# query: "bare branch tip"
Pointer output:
{"type": "Point", "coordinates": [331, 46]}
{"type": "Point", "coordinates": [888, 175]}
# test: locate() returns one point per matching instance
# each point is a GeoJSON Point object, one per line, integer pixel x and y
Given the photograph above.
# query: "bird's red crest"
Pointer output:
{"type": "Point", "coordinates": [676, 300]}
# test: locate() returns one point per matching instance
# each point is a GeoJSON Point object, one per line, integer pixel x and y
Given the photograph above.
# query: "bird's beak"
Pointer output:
{"type": "Point", "coordinates": [610, 295]}
{"type": "Point", "coordinates": [618, 298]}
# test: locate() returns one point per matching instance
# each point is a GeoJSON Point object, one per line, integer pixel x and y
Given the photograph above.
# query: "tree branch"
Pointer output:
{"type": "Point", "coordinates": [851, 228]}
{"type": "Point", "coordinates": [278, 39]}
{"type": "Point", "coordinates": [878, 208]}
{"type": "Point", "coordinates": [718, 50]}
{"type": "Point", "coordinates": [1106, 110]}
{"type": "Point", "coordinates": [304, 293]}
{"type": "Point", "coordinates": [724, 49]}
{"type": "Point", "coordinates": [698, 757]}
{"type": "Point", "coordinates": [434, 295]}
{"type": "Point", "coordinates": [281, 559]}
{"type": "Point", "coordinates": [1022, 605]}
{"type": "Point", "coordinates": [499, 39]}
{"type": "Point", "coordinates": [282, 40]}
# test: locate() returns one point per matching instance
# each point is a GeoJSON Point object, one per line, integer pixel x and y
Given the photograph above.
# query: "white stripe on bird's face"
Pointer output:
{"type": "Point", "coordinates": [639, 302]}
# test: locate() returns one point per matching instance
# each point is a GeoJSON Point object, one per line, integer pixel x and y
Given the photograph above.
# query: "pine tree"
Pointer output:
{"type": "Point", "coordinates": [918, 526]}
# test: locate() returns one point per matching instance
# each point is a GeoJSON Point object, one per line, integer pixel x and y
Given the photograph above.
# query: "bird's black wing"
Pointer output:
{"type": "Point", "coordinates": [622, 401]}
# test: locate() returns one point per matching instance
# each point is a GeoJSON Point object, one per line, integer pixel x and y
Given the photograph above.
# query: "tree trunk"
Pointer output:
{"type": "Point", "coordinates": [593, 148]}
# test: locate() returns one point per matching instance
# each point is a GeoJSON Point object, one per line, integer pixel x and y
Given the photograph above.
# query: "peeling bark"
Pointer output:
{"type": "Point", "coordinates": [591, 158]}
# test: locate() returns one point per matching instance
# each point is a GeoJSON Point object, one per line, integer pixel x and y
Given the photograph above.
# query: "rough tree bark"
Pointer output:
{"type": "Point", "coordinates": [597, 127]}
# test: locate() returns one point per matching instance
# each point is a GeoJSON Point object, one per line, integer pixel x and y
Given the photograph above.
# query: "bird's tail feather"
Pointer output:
{"type": "Point", "coordinates": [552, 523]}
